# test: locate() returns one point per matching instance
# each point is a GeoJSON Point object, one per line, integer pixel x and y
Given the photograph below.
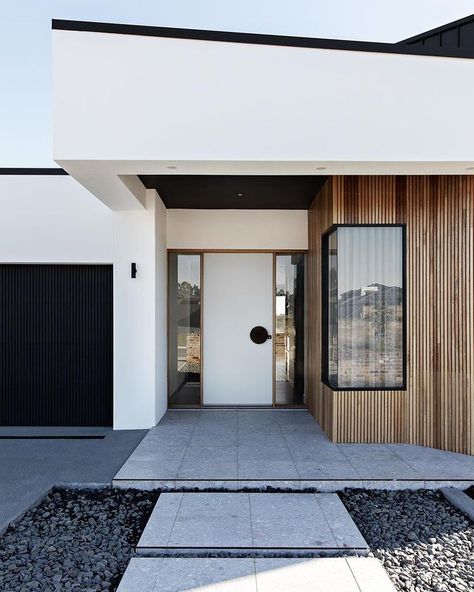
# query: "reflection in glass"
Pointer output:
{"type": "Point", "coordinates": [289, 334]}
{"type": "Point", "coordinates": [184, 349]}
{"type": "Point", "coordinates": [363, 324]}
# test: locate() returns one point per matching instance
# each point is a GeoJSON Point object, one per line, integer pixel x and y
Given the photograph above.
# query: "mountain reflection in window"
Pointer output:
{"type": "Point", "coordinates": [363, 311]}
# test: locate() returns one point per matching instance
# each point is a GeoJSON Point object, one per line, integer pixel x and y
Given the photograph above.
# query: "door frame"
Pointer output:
{"type": "Point", "coordinates": [202, 252]}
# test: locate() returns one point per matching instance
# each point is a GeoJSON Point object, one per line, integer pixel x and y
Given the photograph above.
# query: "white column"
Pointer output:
{"type": "Point", "coordinates": [140, 315]}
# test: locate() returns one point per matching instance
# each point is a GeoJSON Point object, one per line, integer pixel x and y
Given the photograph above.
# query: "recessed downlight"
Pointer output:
{"type": "Point", "coordinates": [321, 168]}
{"type": "Point", "coordinates": [240, 195]}
{"type": "Point", "coordinates": [172, 166]}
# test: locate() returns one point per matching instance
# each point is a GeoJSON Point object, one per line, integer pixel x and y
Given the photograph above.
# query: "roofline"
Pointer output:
{"type": "Point", "coordinates": [257, 39]}
{"type": "Point", "coordinates": [32, 171]}
{"type": "Point", "coordinates": [439, 29]}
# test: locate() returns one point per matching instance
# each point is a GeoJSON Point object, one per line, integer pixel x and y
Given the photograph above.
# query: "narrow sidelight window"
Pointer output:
{"type": "Point", "coordinates": [289, 328]}
{"type": "Point", "coordinates": [184, 330]}
{"type": "Point", "coordinates": [363, 297]}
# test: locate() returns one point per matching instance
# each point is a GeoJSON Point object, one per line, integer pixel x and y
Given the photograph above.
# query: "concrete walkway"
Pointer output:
{"type": "Point", "coordinates": [287, 448]}
{"type": "Point", "coordinates": [30, 467]}
{"type": "Point", "coordinates": [250, 524]}
{"type": "Point", "coordinates": [352, 574]}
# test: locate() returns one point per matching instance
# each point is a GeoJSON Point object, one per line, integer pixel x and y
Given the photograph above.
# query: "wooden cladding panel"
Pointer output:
{"type": "Point", "coordinates": [438, 407]}
{"type": "Point", "coordinates": [320, 398]}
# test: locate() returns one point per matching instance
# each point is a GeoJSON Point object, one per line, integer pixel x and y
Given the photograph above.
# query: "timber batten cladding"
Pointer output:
{"type": "Point", "coordinates": [437, 409]}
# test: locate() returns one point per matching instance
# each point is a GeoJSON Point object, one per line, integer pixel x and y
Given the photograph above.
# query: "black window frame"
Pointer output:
{"type": "Point", "coordinates": [325, 308]}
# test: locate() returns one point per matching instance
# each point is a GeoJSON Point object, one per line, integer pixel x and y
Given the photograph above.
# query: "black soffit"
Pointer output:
{"type": "Point", "coordinates": [236, 192]}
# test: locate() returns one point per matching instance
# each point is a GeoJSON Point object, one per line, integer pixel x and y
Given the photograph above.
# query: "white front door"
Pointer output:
{"type": "Point", "coordinates": [237, 296]}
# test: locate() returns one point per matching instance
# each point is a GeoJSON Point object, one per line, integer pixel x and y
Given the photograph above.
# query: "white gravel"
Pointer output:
{"type": "Point", "coordinates": [424, 543]}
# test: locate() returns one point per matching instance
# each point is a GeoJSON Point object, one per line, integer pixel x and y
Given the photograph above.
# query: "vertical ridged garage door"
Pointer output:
{"type": "Point", "coordinates": [56, 345]}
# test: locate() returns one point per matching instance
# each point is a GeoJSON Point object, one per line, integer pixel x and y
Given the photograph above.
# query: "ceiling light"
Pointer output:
{"type": "Point", "coordinates": [240, 194]}
{"type": "Point", "coordinates": [171, 166]}
{"type": "Point", "coordinates": [470, 168]}
{"type": "Point", "coordinates": [321, 168]}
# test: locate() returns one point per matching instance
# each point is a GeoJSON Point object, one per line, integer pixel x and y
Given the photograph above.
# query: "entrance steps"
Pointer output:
{"type": "Point", "coordinates": [250, 525]}
{"type": "Point", "coordinates": [244, 542]}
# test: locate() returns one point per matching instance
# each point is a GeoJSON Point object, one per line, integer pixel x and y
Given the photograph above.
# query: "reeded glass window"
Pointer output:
{"type": "Point", "coordinates": [363, 307]}
{"type": "Point", "coordinates": [184, 344]}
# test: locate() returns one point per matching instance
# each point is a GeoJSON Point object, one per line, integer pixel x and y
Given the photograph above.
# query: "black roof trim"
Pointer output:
{"type": "Point", "coordinates": [440, 29]}
{"type": "Point", "coordinates": [37, 171]}
{"type": "Point", "coordinates": [256, 38]}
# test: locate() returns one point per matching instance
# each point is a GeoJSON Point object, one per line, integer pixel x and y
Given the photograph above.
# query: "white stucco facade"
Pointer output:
{"type": "Point", "coordinates": [210, 107]}
{"type": "Point", "coordinates": [237, 229]}
{"type": "Point", "coordinates": [52, 219]}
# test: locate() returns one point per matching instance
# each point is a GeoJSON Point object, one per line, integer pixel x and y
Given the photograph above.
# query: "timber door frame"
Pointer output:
{"type": "Point", "coordinates": [201, 253]}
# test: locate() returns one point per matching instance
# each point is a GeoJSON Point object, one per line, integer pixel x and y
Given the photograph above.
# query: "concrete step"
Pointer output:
{"type": "Point", "coordinates": [250, 525]}
{"type": "Point", "coordinates": [173, 574]}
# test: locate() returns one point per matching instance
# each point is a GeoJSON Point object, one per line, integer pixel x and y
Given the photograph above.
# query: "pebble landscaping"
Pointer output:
{"type": "Point", "coordinates": [74, 540]}
{"type": "Point", "coordinates": [424, 543]}
{"type": "Point", "coordinates": [83, 539]}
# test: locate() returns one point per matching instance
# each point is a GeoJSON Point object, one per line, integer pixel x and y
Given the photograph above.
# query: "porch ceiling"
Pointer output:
{"type": "Point", "coordinates": [275, 192]}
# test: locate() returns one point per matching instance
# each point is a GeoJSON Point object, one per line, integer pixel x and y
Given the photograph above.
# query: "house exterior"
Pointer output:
{"type": "Point", "coordinates": [244, 219]}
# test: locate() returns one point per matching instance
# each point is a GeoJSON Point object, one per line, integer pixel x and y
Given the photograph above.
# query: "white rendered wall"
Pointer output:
{"type": "Point", "coordinates": [237, 229]}
{"type": "Point", "coordinates": [140, 316]}
{"type": "Point", "coordinates": [52, 219]}
{"type": "Point", "coordinates": [224, 102]}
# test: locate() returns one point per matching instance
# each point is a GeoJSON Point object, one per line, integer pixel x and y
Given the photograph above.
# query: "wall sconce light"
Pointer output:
{"type": "Point", "coordinates": [133, 270]}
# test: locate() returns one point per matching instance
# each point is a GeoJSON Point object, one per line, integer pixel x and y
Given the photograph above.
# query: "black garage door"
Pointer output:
{"type": "Point", "coordinates": [56, 345]}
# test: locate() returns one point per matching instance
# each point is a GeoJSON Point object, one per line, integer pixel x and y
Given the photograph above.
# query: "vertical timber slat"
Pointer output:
{"type": "Point", "coordinates": [437, 409]}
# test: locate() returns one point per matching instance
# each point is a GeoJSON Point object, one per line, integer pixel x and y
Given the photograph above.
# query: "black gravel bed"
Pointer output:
{"type": "Point", "coordinates": [75, 539]}
{"type": "Point", "coordinates": [423, 542]}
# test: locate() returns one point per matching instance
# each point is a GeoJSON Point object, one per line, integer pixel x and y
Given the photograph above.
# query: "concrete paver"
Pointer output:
{"type": "Point", "coordinates": [256, 523]}
{"type": "Point", "coordinates": [354, 574]}
{"type": "Point", "coordinates": [284, 448]}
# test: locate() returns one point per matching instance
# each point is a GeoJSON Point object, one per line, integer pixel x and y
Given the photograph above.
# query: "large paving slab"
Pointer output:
{"type": "Point", "coordinates": [353, 574]}
{"type": "Point", "coordinates": [250, 523]}
{"type": "Point", "coordinates": [256, 448]}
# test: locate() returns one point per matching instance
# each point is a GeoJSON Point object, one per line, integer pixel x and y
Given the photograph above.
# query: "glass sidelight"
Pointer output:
{"type": "Point", "coordinates": [289, 328]}
{"type": "Point", "coordinates": [184, 330]}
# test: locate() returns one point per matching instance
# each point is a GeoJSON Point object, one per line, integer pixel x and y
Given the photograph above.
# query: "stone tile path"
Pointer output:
{"type": "Point", "coordinates": [353, 574]}
{"type": "Point", "coordinates": [282, 448]}
{"type": "Point", "coordinates": [254, 523]}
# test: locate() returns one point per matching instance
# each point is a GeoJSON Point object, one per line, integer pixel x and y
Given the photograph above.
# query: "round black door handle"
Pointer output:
{"type": "Point", "coordinates": [259, 335]}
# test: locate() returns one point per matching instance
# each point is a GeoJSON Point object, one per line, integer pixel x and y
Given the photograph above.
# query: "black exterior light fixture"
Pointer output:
{"type": "Point", "coordinates": [133, 270]}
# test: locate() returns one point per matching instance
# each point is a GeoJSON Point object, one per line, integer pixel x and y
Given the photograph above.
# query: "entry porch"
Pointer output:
{"type": "Point", "coordinates": [271, 448]}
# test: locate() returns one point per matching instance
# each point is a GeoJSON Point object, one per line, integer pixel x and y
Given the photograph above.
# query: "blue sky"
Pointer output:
{"type": "Point", "coordinates": [25, 43]}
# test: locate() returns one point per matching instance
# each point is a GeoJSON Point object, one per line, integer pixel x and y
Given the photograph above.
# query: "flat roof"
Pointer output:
{"type": "Point", "coordinates": [260, 39]}
{"type": "Point", "coordinates": [32, 171]}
